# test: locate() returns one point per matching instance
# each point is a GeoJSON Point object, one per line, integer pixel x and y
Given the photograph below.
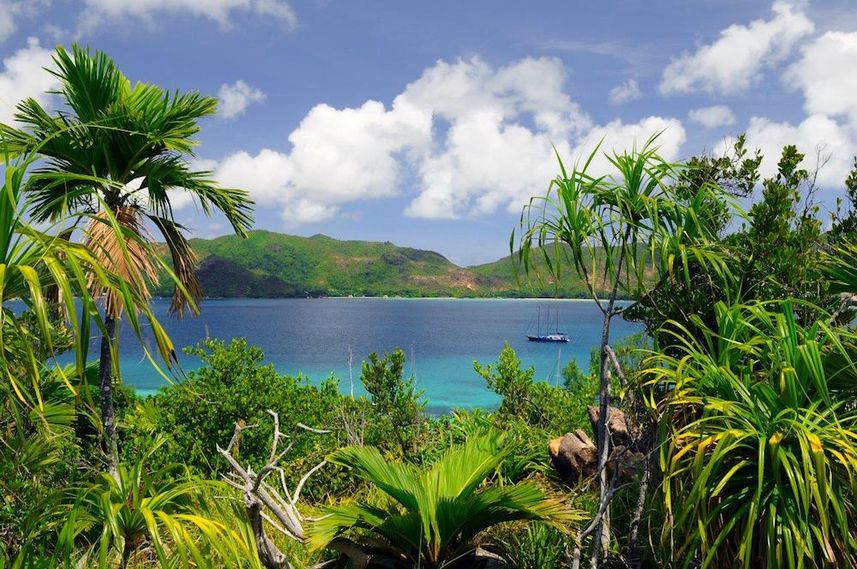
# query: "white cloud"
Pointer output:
{"type": "Point", "coordinates": [712, 117]}
{"type": "Point", "coordinates": [497, 150]}
{"type": "Point", "coordinates": [99, 12]}
{"type": "Point", "coordinates": [236, 97]}
{"type": "Point", "coordinates": [735, 61]}
{"type": "Point", "coordinates": [24, 76]}
{"type": "Point", "coordinates": [468, 138]}
{"type": "Point", "coordinates": [12, 10]}
{"type": "Point", "coordinates": [7, 19]}
{"type": "Point", "coordinates": [617, 136]}
{"type": "Point", "coordinates": [827, 75]}
{"type": "Point", "coordinates": [337, 156]}
{"type": "Point", "coordinates": [817, 136]}
{"type": "Point", "coordinates": [625, 93]}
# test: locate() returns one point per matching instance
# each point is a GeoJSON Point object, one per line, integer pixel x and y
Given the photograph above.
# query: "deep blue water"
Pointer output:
{"type": "Point", "coordinates": [441, 338]}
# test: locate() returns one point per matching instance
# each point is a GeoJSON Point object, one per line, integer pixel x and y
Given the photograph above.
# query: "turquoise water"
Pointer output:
{"type": "Point", "coordinates": [441, 337]}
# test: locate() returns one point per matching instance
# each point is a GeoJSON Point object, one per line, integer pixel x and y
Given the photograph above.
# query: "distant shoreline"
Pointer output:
{"type": "Point", "coordinates": [354, 297]}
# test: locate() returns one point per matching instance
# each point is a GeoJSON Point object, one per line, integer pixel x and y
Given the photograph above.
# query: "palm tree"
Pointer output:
{"type": "Point", "coordinates": [51, 276]}
{"type": "Point", "coordinates": [432, 517]}
{"type": "Point", "coordinates": [114, 154]}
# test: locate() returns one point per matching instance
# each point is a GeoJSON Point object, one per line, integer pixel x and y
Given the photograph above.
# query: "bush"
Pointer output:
{"type": "Point", "coordinates": [233, 386]}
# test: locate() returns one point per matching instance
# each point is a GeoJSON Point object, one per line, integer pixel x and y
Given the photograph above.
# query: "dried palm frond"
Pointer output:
{"type": "Point", "coordinates": [184, 266]}
{"type": "Point", "coordinates": [121, 248]}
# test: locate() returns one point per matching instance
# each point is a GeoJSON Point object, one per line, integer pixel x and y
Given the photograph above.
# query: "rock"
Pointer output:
{"type": "Point", "coordinates": [574, 455]}
{"type": "Point", "coordinates": [621, 432]}
{"type": "Point", "coordinates": [624, 464]}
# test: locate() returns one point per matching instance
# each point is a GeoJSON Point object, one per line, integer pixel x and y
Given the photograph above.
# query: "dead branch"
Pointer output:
{"type": "Point", "coordinates": [263, 501]}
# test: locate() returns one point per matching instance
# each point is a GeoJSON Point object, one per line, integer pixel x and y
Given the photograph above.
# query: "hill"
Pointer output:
{"type": "Point", "coordinates": [268, 264]}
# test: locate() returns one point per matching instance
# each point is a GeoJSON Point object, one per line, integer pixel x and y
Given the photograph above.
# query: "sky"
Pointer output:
{"type": "Point", "coordinates": [430, 124]}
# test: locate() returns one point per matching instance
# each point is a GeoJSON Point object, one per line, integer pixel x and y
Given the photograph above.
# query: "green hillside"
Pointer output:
{"type": "Point", "coordinates": [268, 264]}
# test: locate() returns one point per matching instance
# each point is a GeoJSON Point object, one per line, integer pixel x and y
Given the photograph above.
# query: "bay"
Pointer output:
{"type": "Point", "coordinates": [441, 338]}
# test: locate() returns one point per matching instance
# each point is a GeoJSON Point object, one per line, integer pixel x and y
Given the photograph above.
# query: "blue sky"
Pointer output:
{"type": "Point", "coordinates": [429, 124]}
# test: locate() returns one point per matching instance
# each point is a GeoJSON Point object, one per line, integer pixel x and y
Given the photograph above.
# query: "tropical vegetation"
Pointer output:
{"type": "Point", "coordinates": [725, 436]}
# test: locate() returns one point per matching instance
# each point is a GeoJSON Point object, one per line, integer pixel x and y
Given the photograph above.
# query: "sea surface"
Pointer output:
{"type": "Point", "coordinates": [441, 338]}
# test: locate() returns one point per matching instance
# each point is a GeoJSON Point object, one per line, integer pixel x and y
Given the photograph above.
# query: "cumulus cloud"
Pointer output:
{"type": "Point", "coordinates": [234, 98]}
{"type": "Point", "coordinates": [617, 136]}
{"type": "Point", "coordinates": [98, 12]}
{"type": "Point", "coordinates": [24, 76]}
{"type": "Point", "coordinates": [625, 93]}
{"type": "Point", "coordinates": [465, 137]}
{"type": "Point", "coordinates": [820, 138]}
{"type": "Point", "coordinates": [737, 58]}
{"type": "Point", "coordinates": [712, 117]}
{"type": "Point", "coordinates": [13, 10]}
{"type": "Point", "coordinates": [827, 74]}
{"type": "Point", "coordinates": [337, 156]}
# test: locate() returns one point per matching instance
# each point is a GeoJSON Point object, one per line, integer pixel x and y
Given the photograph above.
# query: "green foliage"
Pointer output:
{"type": "Point", "coordinates": [124, 148]}
{"type": "Point", "coordinates": [433, 516]}
{"type": "Point", "coordinates": [734, 173]}
{"type": "Point", "coordinates": [536, 403]}
{"type": "Point", "coordinates": [537, 546]}
{"type": "Point", "coordinates": [231, 386]}
{"type": "Point", "coordinates": [778, 253]}
{"type": "Point", "coordinates": [631, 220]}
{"type": "Point", "coordinates": [145, 514]}
{"type": "Point", "coordinates": [37, 459]}
{"type": "Point", "coordinates": [48, 273]}
{"type": "Point", "coordinates": [758, 433]}
{"type": "Point", "coordinates": [395, 399]}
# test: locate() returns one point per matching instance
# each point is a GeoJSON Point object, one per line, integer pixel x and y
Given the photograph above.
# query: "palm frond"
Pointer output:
{"type": "Point", "coordinates": [434, 516]}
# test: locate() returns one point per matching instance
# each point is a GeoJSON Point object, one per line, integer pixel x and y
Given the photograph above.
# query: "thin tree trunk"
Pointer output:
{"type": "Point", "coordinates": [108, 415]}
{"type": "Point", "coordinates": [633, 542]}
{"type": "Point", "coordinates": [601, 541]}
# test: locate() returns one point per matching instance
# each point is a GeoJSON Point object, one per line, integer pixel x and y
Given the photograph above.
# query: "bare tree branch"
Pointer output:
{"type": "Point", "coordinates": [264, 502]}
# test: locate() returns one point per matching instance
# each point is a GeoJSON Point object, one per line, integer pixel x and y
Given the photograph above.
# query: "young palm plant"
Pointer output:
{"type": "Point", "coordinates": [432, 517]}
{"type": "Point", "coordinates": [145, 516]}
{"type": "Point", "coordinates": [759, 442]}
{"type": "Point", "coordinates": [115, 153]}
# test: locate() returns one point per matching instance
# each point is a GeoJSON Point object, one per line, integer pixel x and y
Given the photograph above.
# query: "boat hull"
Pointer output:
{"type": "Point", "coordinates": [558, 338]}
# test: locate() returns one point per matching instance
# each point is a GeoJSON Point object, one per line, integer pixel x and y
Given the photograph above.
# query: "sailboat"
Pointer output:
{"type": "Point", "coordinates": [556, 336]}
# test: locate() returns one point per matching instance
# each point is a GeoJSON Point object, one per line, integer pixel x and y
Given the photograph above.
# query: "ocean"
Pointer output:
{"type": "Point", "coordinates": [441, 338]}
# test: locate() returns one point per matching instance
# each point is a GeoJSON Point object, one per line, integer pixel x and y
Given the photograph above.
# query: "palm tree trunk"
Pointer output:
{"type": "Point", "coordinates": [108, 415]}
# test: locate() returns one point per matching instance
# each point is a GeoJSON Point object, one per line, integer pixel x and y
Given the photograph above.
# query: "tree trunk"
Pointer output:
{"type": "Point", "coordinates": [269, 554]}
{"type": "Point", "coordinates": [108, 416]}
{"type": "Point", "coordinates": [127, 552]}
{"type": "Point", "coordinates": [633, 557]}
{"type": "Point", "coordinates": [601, 538]}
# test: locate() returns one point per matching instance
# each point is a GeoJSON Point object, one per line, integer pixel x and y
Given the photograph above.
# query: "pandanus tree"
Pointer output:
{"type": "Point", "coordinates": [112, 156]}
{"type": "Point", "coordinates": [141, 515]}
{"type": "Point", "coordinates": [622, 233]}
{"type": "Point", "coordinates": [759, 440]}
